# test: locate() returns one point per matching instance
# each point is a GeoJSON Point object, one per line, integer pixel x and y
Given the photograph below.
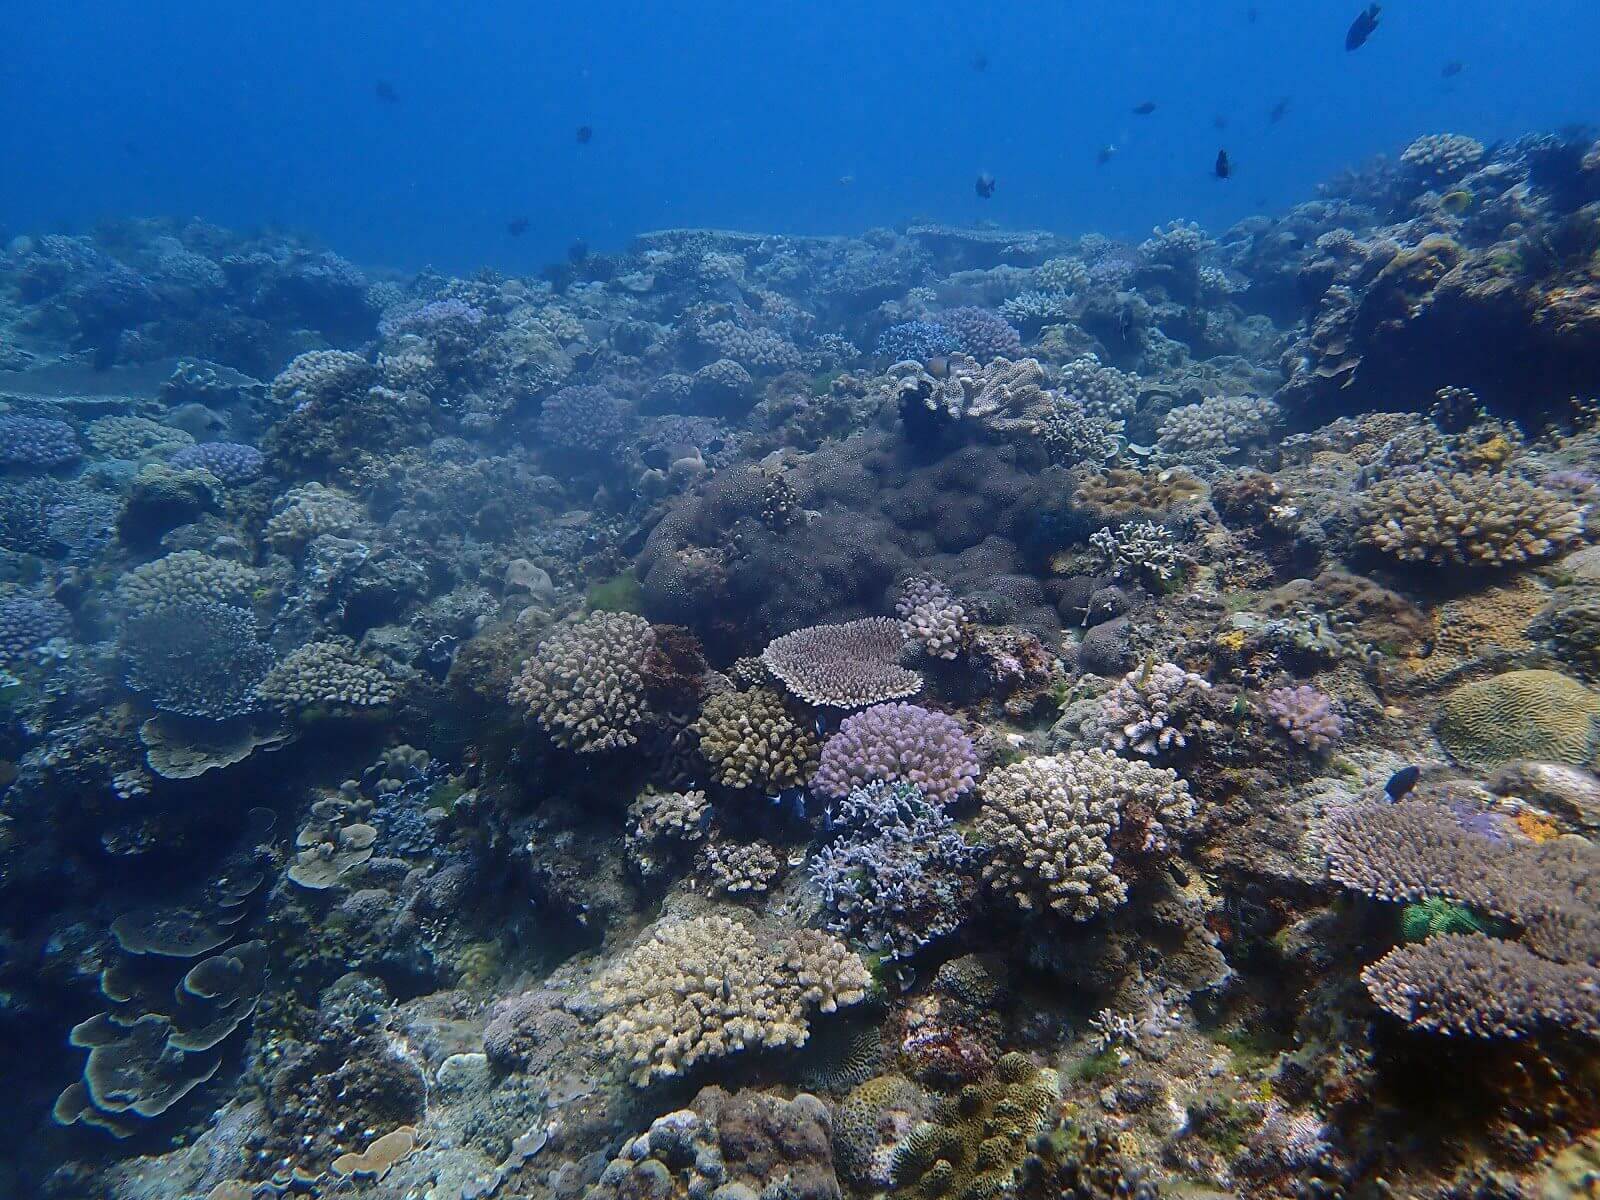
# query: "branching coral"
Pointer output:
{"type": "Point", "coordinates": [1060, 827]}
{"type": "Point", "coordinates": [196, 658]}
{"type": "Point", "coordinates": [327, 675]}
{"type": "Point", "coordinates": [186, 575]}
{"type": "Point", "coordinates": [894, 742]}
{"type": "Point", "coordinates": [1142, 550]}
{"type": "Point", "coordinates": [752, 740]}
{"type": "Point", "coordinates": [698, 989]}
{"type": "Point", "coordinates": [310, 511]}
{"type": "Point", "coordinates": [584, 684]}
{"type": "Point", "coordinates": [898, 876]}
{"type": "Point", "coordinates": [1472, 520]}
{"type": "Point", "coordinates": [1150, 711]}
{"type": "Point", "coordinates": [1307, 717]}
{"type": "Point", "coordinates": [931, 617]}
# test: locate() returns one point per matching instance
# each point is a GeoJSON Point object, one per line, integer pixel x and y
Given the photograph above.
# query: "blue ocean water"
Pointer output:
{"type": "Point", "coordinates": [794, 118]}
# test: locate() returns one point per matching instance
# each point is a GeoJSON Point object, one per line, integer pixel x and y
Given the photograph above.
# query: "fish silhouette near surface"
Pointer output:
{"type": "Point", "coordinates": [984, 185]}
{"type": "Point", "coordinates": [1362, 27]}
{"type": "Point", "coordinates": [585, 134]}
{"type": "Point", "coordinates": [1105, 154]}
{"type": "Point", "coordinates": [1452, 68]}
{"type": "Point", "coordinates": [517, 226]}
{"type": "Point", "coordinates": [1277, 112]}
{"type": "Point", "coordinates": [1223, 166]}
{"type": "Point", "coordinates": [384, 90]}
{"type": "Point", "coordinates": [980, 62]}
{"type": "Point", "coordinates": [1145, 109]}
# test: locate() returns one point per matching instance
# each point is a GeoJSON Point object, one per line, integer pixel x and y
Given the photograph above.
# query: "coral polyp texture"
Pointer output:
{"type": "Point", "coordinates": [698, 989]}
{"type": "Point", "coordinates": [941, 712]}
{"type": "Point", "coordinates": [583, 685]}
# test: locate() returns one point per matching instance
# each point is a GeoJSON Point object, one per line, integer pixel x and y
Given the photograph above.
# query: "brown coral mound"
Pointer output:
{"type": "Point", "coordinates": [1472, 520]}
{"type": "Point", "coordinates": [752, 740]}
{"type": "Point", "coordinates": [1126, 492]}
{"type": "Point", "coordinates": [584, 683]}
{"type": "Point", "coordinates": [843, 666]}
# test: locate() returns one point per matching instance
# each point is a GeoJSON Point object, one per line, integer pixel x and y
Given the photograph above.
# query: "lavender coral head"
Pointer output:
{"type": "Point", "coordinates": [435, 317]}
{"type": "Point", "coordinates": [899, 742]}
{"type": "Point", "coordinates": [982, 334]}
{"type": "Point", "coordinates": [1307, 716]}
{"type": "Point", "coordinates": [231, 462]}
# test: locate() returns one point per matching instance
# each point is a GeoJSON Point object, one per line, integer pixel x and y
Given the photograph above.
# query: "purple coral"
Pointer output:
{"type": "Point", "coordinates": [982, 334]}
{"type": "Point", "coordinates": [899, 742]}
{"type": "Point", "coordinates": [1310, 718]}
{"type": "Point", "coordinates": [36, 442]}
{"type": "Point", "coordinates": [435, 318]}
{"type": "Point", "coordinates": [27, 622]}
{"type": "Point", "coordinates": [231, 462]}
{"type": "Point", "coordinates": [584, 420]}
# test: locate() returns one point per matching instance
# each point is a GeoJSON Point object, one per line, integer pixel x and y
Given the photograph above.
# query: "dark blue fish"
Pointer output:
{"type": "Point", "coordinates": [1452, 68]}
{"type": "Point", "coordinates": [1145, 109]}
{"type": "Point", "coordinates": [1401, 782]}
{"type": "Point", "coordinates": [384, 90]}
{"type": "Point", "coordinates": [1362, 27]}
{"type": "Point", "coordinates": [985, 185]}
{"type": "Point", "coordinates": [1223, 167]}
{"type": "Point", "coordinates": [585, 134]}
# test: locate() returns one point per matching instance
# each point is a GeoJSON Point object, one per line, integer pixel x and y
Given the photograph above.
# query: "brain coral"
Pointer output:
{"type": "Point", "coordinates": [843, 666]}
{"type": "Point", "coordinates": [700, 988]}
{"type": "Point", "coordinates": [1541, 715]}
{"type": "Point", "coordinates": [1058, 826]}
{"type": "Point", "coordinates": [752, 740]}
{"type": "Point", "coordinates": [1476, 520]}
{"type": "Point", "coordinates": [892, 742]}
{"type": "Point", "coordinates": [584, 684]}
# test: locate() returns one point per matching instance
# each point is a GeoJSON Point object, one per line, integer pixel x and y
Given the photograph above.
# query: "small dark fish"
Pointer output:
{"type": "Point", "coordinates": [1145, 109]}
{"type": "Point", "coordinates": [1361, 28]}
{"type": "Point", "coordinates": [517, 226]}
{"type": "Point", "coordinates": [384, 90]}
{"type": "Point", "coordinates": [1104, 155]}
{"type": "Point", "coordinates": [1250, 14]}
{"type": "Point", "coordinates": [1223, 167]}
{"type": "Point", "coordinates": [1452, 68]}
{"type": "Point", "coordinates": [1277, 111]}
{"type": "Point", "coordinates": [1219, 122]}
{"type": "Point", "coordinates": [980, 62]}
{"type": "Point", "coordinates": [1401, 782]}
{"type": "Point", "coordinates": [578, 251]}
{"type": "Point", "coordinates": [585, 134]}
{"type": "Point", "coordinates": [985, 185]}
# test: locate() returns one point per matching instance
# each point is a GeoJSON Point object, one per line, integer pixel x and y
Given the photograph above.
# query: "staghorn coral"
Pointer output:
{"type": "Point", "coordinates": [1541, 715]}
{"type": "Point", "coordinates": [897, 876]}
{"type": "Point", "coordinates": [183, 576]}
{"type": "Point", "coordinates": [894, 742]}
{"type": "Point", "coordinates": [1072, 434]}
{"type": "Point", "coordinates": [310, 511]}
{"type": "Point", "coordinates": [1150, 709]}
{"type": "Point", "coordinates": [1060, 826]}
{"type": "Point", "coordinates": [1143, 551]}
{"type": "Point", "coordinates": [931, 617]}
{"type": "Point", "coordinates": [327, 676]}
{"type": "Point", "coordinates": [916, 341]}
{"type": "Point", "coordinates": [1471, 520]}
{"type": "Point", "coordinates": [752, 740]}
{"type": "Point", "coordinates": [999, 394]}
{"type": "Point", "coordinates": [1308, 717]}
{"type": "Point", "coordinates": [584, 684]}
{"type": "Point", "coordinates": [843, 666]}
{"type": "Point", "coordinates": [696, 989]}
{"type": "Point", "coordinates": [196, 658]}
